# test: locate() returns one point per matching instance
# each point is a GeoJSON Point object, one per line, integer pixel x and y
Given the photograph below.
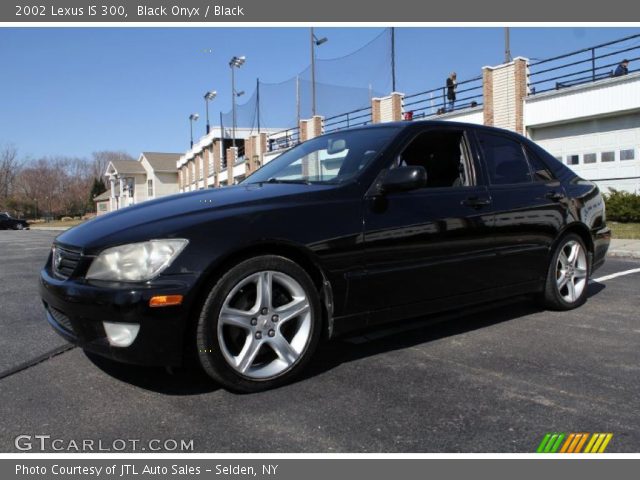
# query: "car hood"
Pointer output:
{"type": "Point", "coordinates": [170, 216]}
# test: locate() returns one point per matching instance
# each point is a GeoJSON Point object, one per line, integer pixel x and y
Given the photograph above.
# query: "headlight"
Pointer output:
{"type": "Point", "coordinates": [135, 262]}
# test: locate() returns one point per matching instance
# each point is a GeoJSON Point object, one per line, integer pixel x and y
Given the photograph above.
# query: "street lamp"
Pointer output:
{"type": "Point", "coordinates": [207, 98]}
{"type": "Point", "coordinates": [315, 42]}
{"type": "Point", "coordinates": [235, 62]}
{"type": "Point", "coordinates": [193, 118]}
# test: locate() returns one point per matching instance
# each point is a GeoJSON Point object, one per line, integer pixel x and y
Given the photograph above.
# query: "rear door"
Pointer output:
{"type": "Point", "coordinates": [529, 204]}
{"type": "Point", "coordinates": [432, 243]}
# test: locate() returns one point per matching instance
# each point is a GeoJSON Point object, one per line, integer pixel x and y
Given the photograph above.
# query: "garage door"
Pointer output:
{"type": "Point", "coordinates": [606, 150]}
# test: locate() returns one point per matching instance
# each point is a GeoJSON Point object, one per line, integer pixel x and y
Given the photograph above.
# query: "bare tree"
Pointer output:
{"type": "Point", "coordinates": [102, 158]}
{"type": "Point", "coordinates": [55, 186]}
{"type": "Point", "coordinates": [9, 170]}
{"type": "Point", "coordinates": [51, 186]}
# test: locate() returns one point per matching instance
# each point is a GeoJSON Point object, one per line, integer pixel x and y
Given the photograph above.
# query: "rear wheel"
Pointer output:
{"type": "Point", "coordinates": [259, 325]}
{"type": "Point", "coordinates": [568, 275]}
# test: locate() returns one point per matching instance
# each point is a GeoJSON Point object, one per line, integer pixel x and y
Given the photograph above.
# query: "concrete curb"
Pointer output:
{"type": "Point", "coordinates": [623, 253]}
{"type": "Point", "coordinates": [622, 247]}
{"type": "Point", "coordinates": [52, 229]}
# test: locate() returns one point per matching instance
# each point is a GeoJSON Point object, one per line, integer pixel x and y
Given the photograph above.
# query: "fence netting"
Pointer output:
{"type": "Point", "coordinates": [342, 84]}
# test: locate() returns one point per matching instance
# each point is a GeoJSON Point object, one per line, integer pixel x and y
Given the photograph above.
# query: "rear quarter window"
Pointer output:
{"type": "Point", "coordinates": [504, 159]}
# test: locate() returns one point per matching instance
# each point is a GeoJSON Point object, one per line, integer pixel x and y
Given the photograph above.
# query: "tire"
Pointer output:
{"type": "Point", "coordinates": [259, 325]}
{"type": "Point", "coordinates": [568, 275]}
{"type": "Point", "coordinates": [19, 226]}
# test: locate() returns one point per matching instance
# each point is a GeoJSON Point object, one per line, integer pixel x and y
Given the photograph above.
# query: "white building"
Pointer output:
{"type": "Point", "coordinates": [129, 182]}
{"type": "Point", "coordinates": [582, 114]}
{"type": "Point", "coordinates": [214, 162]}
{"type": "Point", "coordinates": [593, 128]}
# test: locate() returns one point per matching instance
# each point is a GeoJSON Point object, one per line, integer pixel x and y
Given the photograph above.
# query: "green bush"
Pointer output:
{"type": "Point", "coordinates": [622, 206]}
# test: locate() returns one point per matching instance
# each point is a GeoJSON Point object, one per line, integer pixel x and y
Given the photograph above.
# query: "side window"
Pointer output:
{"type": "Point", "coordinates": [539, 169]}
{"type": "Point", "coordinates": [443, 155]}
{"type": "Point", "coordinates": [505, 160]}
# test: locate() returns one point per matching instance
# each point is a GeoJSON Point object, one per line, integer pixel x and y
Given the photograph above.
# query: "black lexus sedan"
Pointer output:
{"type": "Point", "coordinates": [7, 222]}
{"type": "Point", "coordinates": [348, 230]}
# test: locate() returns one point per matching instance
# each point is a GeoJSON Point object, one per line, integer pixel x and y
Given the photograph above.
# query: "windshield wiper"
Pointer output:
{"type": "Point", "coordinates": [284, 180]}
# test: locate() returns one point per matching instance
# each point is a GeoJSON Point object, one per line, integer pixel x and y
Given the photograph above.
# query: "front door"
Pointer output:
{"type": "Point", "coordinates": [432, 244]}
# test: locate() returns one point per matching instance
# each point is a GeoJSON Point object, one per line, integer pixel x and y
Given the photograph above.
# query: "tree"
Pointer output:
{"type": "Point", "coordinates": [102, 158]}
{"type": "Point", "coordinates": [9, 171]}
{"type": "Point", "coordinates": [97, 188]}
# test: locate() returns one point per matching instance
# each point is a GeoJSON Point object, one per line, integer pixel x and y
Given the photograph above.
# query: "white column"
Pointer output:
{"type": "Point", "coordinates": [112, 198]}
{"type": "Point", "coordinates": [122, 203]}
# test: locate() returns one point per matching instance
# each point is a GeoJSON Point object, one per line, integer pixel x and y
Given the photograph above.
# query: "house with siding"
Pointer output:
{"type": "Point", "coordinates": [130, 182]}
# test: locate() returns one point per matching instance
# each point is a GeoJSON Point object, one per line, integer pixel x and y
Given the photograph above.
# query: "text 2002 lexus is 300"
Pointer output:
{"type": "Point", "coordinates": [345, 231]}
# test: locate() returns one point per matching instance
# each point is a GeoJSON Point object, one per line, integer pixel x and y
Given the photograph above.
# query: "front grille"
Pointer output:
{"type": "Point", "coordinates": [65, 261]}
{"type": "Point", "coordinates": [61, 319]}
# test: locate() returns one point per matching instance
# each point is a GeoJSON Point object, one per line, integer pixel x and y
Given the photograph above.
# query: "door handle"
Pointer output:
{"type": "Point", "coordinates": [476, 202]}
{"type": "Point", "coordinates": [555, 196]}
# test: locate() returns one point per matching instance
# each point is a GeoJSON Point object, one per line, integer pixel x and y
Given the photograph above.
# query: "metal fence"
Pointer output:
{"type": "Point", "coordinates": [469, 93]}
{"type": "Point", "coordinates": [574, 68]}
{"type": "Point", "coordinates": [354, 118]}
{"type": "Point", "coordinates": [582, 66]}
{"type": "Point", "coordinates": [283, 139]}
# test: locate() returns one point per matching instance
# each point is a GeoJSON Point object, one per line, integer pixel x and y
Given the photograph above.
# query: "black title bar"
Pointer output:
{"type": "Point", "coordinates": [318, 11]}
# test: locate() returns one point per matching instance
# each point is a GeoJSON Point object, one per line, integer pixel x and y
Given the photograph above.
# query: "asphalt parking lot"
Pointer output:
{"type": "Point", "coordinates": [490, 381]}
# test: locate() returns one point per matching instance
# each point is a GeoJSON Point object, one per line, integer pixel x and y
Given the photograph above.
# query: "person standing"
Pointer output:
{"type": "Point", "coordinates": [622, 69]}
{"type": "Point", "coordinates": [452, 84]}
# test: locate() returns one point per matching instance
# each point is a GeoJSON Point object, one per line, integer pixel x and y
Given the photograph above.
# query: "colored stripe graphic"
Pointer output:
{"type": "Point", "coordinates": [550, 443]}
{"type": "Point", "coordinates": [598, 443]}
{"type": "Point", "coordinates": [574, 442]}
{"type": "Point", "coordinates": [565, 447]}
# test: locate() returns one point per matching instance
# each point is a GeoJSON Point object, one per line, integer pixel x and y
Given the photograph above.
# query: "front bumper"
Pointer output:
{"type": "Point", "coordinates": [76, 309]}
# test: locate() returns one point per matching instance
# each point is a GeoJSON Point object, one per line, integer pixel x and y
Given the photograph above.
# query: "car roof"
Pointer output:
{"type": "Point", "coordinates": [407, 124]}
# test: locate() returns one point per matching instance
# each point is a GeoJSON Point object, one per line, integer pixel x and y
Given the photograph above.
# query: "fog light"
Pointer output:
{"type": "Point", "coordinates": [121, 334]}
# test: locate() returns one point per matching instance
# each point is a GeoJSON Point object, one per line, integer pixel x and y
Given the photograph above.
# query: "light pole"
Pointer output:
{"type": "Point", "coordinates": [315, 42]}
{"type": "Point", "coordinates": [235, 62]}
{"type": "Point", "coordinates": [192, 118]}
{"type": "Point", "coordinates": [207, 98]}
{"type": "Point", "coordinates": [507, 45]}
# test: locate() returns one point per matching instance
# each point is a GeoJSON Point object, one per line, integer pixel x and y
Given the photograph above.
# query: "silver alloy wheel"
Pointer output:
{"type": "Point", "coordinates": [263, 326]}
{"type": "Point", "coordinates": [571, 271]}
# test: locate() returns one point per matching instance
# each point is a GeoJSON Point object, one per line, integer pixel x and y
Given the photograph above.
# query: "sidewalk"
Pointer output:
{"type": "Point", "coordinates": [624, 248]}
{"type": "Point", "coordinates": [54, 229]}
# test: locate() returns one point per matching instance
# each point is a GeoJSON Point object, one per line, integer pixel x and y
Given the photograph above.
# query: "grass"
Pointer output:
{"type": "Point", "coordinates": [58, 223]}
{"type": "Point", "coordinates": [625, 230]}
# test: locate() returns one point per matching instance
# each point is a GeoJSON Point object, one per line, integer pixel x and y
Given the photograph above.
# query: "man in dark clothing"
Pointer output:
{"type": "Point", "coordinates": [452, 84]}
{"type": "Point", "coordinates": [623, 68]}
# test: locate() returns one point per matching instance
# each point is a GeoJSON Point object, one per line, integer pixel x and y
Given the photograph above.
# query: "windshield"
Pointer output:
{"type": "Point", "coordinates": [329, 159]}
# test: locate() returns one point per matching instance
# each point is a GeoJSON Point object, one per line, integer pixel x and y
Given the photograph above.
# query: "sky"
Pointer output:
{"type": "Point", "coordinates": [73, 91]}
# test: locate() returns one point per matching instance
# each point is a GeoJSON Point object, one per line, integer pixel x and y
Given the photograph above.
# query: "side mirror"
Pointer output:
{"type": "Point", "coordinates": [403, 179]}
{"type": "Point", "coordinates": [336, 146]}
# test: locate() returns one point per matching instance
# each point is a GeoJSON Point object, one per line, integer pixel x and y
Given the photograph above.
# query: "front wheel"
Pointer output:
{"type": "Point", "coordinates": [568, 275]}
{"type": "Point", "coordinates": [259, 325]}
